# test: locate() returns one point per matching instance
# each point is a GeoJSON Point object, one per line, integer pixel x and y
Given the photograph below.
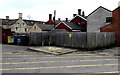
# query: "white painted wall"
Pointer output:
{"type": "Point", "coordinates": [35, 28]}
{"type": "Point", "coordinates": [19, 26]}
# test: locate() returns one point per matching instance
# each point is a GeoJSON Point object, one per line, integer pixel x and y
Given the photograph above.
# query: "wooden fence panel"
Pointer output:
{"type": "Point", "coordinates": [38, 39]}
{"type": "Point", "coordinates": [65, 36]}
{"type": "Point", "coordinates": [71, 39]}
{"type": "Point", "coordinates": [100, 39]}
{"type": "Point", "coordinates": [52, 38]}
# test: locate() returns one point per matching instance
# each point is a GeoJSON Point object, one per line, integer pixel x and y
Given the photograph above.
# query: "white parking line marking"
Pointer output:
{"type": "Point", "coordinates": [56, 67]}
{"type": "Point", "coordinates": [56, 61]}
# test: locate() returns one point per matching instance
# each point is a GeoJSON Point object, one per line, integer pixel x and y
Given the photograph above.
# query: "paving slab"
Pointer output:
{"type": "Point", "coordinates": [53, 50]}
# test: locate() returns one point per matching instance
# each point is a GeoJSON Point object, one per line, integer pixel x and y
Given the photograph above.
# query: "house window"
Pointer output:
{"type": "Point", "coordinates": [16, 28]}
{"type": "Point", "coordinates": [81, 24]}
{"type": "Point", "coordinates": [25, 29]}
{"type": "Point", "coordinates": [35, 28]}
{"type": "Point", "coordinates": [108, 20]}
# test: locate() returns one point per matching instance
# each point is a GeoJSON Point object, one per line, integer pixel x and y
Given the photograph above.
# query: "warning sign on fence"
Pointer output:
{"type": "Point", "coordinates": [105, 35]}
{"type": "Point", "coordinates": [70, 35]}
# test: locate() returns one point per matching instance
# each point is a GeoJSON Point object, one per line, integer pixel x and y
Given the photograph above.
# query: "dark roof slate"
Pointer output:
{"type": "Point", "coordinates": [12, 21]}
{"type": "Point", "coordinates": [57, 22]}
{"type": "Point", "coordinates": [74, 26]}
{"type": "Point", "coordinates": [8, 21]}
{"type": "Point", "coordinates": [45, 27]}
{"type": "Point", "coordinates": [32, 22]}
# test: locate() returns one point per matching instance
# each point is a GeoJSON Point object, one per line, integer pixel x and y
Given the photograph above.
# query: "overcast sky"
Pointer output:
{"type": "Point", "coordinates": [39, 9]}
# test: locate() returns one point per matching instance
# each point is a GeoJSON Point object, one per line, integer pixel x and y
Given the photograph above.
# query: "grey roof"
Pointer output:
{"type": "Point", "coordinates": [45, 27]}
{"type": "Point", "coordinates": [57, 22]}
{"type": "Point", "coordinates": [8, 21]}
{"type": "Point", "coordinates": [58, 30]}
{"type": "Point", "coordinates": [12, 21]}
{"type": "Point", "coordinates": [74, 26]}
{"type": "Point", "coordinates": [32, 22]}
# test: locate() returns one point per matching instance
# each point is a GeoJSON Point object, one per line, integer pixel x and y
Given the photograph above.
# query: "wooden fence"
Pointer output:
{"type": "Point", "coordinates": [72, 39]}
{"type": "Point", "coordinates": [100, 39]}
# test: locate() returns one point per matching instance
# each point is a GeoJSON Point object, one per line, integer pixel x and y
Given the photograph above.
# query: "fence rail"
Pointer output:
{"type": "Point", "coordinates": [72, 39]}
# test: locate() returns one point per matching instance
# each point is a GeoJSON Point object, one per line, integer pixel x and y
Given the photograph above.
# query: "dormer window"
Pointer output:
{"type": "Point", "coordinates": [25, 29]}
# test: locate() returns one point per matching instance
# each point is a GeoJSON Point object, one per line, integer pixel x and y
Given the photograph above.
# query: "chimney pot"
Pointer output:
{"type": "Point", "coordinates": [83, 14]}
{"type": "Point", "coordinates": [66, 19]}
{"type": "Point", "coordinates": [74, 15]}
{"type": "Point", "coordinates": [7, 17]}
{"type": "Point", "coordinates": [79, 11]}
{"type": "Point", "coordinates": [50, 17]}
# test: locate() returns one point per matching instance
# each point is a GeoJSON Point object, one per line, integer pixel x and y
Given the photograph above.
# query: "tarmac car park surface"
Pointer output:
{"type": "Point", "coordinates": [18, 59]}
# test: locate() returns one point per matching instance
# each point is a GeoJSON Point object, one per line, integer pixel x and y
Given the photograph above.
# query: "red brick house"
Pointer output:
{"type": "Point", "coordinates": [80, 19]}
{"type": "Point", "coordinates": [77, 24]}
{"type": "Point", "coordinates": [115, 24]}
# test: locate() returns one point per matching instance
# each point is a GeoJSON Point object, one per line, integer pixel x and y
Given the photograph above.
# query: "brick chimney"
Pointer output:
{"type": "Point", "coordinates": [79, 11]}
{"type": "Point", "coordinates": [66, 19]}
{"type": "Point", "coordinates": [83, 14]}
{"type": "Point", "coordinates": [50, 17]}
{"type": "Point", "coordinates": [74, 15]}
{"type": "Point", "coordinates": [20, 15]}
{"type": "Point", "coordinates": [7, 17]}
